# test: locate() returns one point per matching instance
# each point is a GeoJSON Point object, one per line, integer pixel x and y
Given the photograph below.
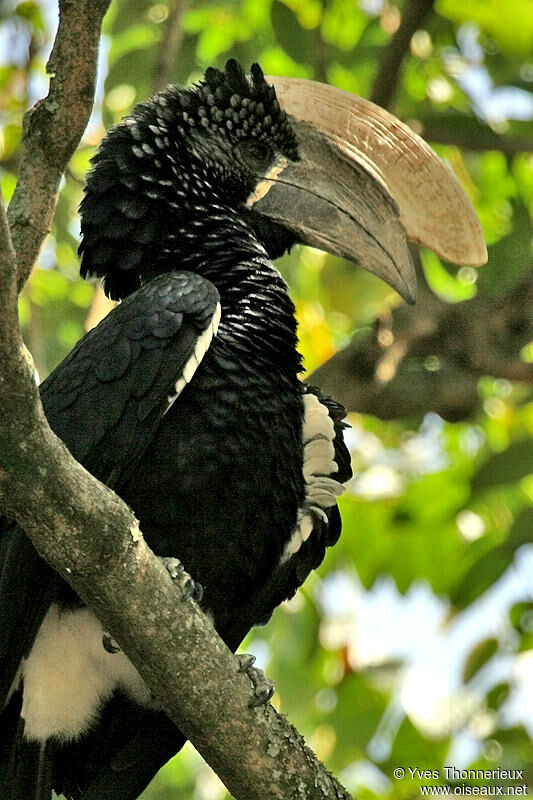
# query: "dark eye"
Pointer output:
{"type": "Point", "coordinates": [254, 153]}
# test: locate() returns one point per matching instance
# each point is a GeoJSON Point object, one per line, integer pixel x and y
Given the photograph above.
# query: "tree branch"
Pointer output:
{"type": "Point", "coordinates": [468, 133]}
{"type": "Point", "coordinates": [430, 357]}
{"type": "Point", "coordinates": [53, 127]}
{"type": "Point", "coordinates": [170, 45]}
{"type": "Point", "coordinates": [392, 56]}
{"type": "Point", "coordinates": [8, 284]}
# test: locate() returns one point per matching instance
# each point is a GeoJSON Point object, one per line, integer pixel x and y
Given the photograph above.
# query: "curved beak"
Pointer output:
{"type": "Point", "coordinates": [364, 185]}
{"type": "Point", "coordinates": [332, 203]}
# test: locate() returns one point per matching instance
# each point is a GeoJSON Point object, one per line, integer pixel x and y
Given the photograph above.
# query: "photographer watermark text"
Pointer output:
{"type": "Point", "coordinates": [454, 775]}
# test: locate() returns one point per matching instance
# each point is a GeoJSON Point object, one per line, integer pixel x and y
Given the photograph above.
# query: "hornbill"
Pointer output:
{"type": "Point", "coordinates": [186, 399]}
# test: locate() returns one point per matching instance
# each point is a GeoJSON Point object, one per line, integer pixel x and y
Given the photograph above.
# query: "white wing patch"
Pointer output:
{"type": "Point", "coordinates": [200, 349]}
{"type": "Point", "coordinates": [319, 465]}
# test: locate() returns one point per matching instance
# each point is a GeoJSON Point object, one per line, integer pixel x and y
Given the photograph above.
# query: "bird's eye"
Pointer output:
{"type": "Point", "coordinates": [254, 153]}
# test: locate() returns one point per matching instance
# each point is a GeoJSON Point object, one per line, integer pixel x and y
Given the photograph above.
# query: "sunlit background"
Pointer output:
{"type": "Point", "coordinates": [411, 645]}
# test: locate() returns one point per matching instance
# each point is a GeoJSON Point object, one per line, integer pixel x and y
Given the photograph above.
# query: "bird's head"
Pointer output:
{"type": "Point", "coordinates": [283, 159]}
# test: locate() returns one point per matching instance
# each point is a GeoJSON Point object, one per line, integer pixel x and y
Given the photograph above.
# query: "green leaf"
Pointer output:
{"type": "Point", "coordinates": [510, 466]}
{"type": "Point", "coordinates": [521, 616]}
{"type": "Point", "coordinates": [440, 281]}
{"type": "Point", "coordinates": [33, 13]}
{"type": "Point", "coordinates": [48, 286]}
{"type": "Point", "coordinates": [492, 564]}
{"type": "Point", "coordinates": [526, 642]}
{"type": "Point", "coordinates": [497, 696]}
{"type": "Point", "coordinates": [478, 657]}
{"type": "Point", "coordinates": [343, 24]}
{"type": "Point", "coordinates": [515, 737]}
{"type": "Point", "coordinates": [511, 257]}
{"type": "Point", "coordinates": [298, 43]}
{"type": "Point", "coordinates": [411, 747]}
{"type": "Point", "coordinates": [521, 531]}
{"type": "Point", "coordinates": [138, 37]}
{"type": "Point", "coordinates": [480, 577]}
{"type": "Point", "coordinates": [361, 699]}
{"type": "Point", "coordinates": [509, 24]}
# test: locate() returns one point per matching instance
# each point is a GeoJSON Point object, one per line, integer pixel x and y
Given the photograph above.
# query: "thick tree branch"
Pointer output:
{"type": "Point", "coordinates": [8, 288]}
{"type": "Point", "coordinates": [430, 357]}
{"type": "Point", "coordinates": [53, 127]}
{"type": "Point", "coordinates": [386, 81]}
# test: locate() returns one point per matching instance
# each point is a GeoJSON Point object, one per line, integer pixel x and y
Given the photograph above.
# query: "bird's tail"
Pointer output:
{"type": "Point", "coordinates": [25, 767]}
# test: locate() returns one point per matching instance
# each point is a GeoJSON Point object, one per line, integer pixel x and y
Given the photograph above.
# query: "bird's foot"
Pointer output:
{"type": "Point", "coordinates": [263, 687]}
{"type": "Point", "coordinates": [109, 644]}
{"type": "Point", "coordinates": [189, 589]}
{"type": "Point", "coordinates": [176, 570]}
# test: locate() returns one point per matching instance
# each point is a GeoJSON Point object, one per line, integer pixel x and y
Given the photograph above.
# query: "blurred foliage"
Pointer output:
{"type": "Point", "coordinates": [411, 646]}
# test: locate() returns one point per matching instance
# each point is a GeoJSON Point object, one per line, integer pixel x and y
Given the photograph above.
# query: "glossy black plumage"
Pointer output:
{"type": "Point", "coordinates": [197, 424]}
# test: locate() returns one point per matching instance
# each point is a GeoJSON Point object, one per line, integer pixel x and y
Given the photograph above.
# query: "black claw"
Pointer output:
{"type": "Point", "coordinates": [262, 694]}
{"type": "Point", "coordinates": [109, 644]}
{"type": "Point", "coordinates": [246, 661]}
{"type": "Point", "coordinates": [198, 591]}
{"type": "Point", "coordinates": [263, 687]}
{"type": "Point", "coordinates": [193, 589]}
{"type": "Point", "coordinates": [189, 587]}
{"type": "Point", "coordinates": [174, 567]}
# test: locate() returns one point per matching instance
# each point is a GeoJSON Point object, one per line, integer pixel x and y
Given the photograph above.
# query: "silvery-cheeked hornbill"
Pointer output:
{"type": "Point", "coordinates": [186, 399]}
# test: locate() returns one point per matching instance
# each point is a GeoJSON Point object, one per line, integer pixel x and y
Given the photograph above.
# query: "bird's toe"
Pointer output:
{"type": "Point", "coordinates": [263, 687]}
{"type": "Point", "coordinates": [188, 586]}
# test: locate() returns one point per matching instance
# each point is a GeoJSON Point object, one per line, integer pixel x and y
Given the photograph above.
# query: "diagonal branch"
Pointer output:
{"type": "Point", "coordinates": [54, 126]}
{"type": "Point", "coordinates": [386, 81]}
{"type": "Point", "coordinates": [468, 133]}
{"type": "Point", "coordinates": [430, 357]}
{"type": "Point", "coordinates": [170, 45]}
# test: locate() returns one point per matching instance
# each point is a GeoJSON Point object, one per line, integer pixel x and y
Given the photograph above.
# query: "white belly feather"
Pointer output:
{"type": "Point", "coordinates": [68, 675]}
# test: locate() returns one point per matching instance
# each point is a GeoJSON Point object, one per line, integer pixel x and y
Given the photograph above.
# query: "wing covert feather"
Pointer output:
{"type": "Point", "coordinates": [106, 399]}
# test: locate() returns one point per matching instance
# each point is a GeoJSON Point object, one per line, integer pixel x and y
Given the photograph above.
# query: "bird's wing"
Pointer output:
{"type": "Point", "coordinates": [105, 401]}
